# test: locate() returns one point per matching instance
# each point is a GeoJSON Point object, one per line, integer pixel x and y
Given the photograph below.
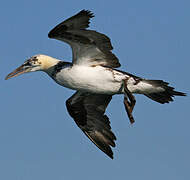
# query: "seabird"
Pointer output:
{"type": "Point", "coordinates": [94, 75]}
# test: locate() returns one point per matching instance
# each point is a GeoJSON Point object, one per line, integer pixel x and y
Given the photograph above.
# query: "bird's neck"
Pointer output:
{"type": "Point", "coordinates": [48, 64]}
{"type": "Point", "coordinates": [57, 67]}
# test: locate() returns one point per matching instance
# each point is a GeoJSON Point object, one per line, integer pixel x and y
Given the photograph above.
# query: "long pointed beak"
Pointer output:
{"type": "Point", "coordinates": [18, 71]}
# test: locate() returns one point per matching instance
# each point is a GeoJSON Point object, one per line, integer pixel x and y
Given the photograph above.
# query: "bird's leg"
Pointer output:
{"type": "Point", "coordinates": [128, 108]}
{"type": "Point", "coordinates": [129, 105]}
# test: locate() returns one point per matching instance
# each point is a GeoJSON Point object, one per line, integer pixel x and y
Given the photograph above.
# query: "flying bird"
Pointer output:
{"type": "Point", "coordinates": [94, 75]}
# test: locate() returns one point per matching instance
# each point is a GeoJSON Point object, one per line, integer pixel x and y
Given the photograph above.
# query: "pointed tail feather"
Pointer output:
{"type": "Point", "coordinates": [164, 92]}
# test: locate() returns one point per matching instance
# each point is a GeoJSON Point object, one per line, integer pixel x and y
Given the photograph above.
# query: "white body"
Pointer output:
{"type": "Point", "coordinates": [92, 79]}
{"type": "Point", "coordinates": [98, 80]}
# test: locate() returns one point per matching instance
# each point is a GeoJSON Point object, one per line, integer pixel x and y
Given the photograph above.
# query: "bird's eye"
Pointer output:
{"type": "Point", "coordinates": [28, 63]}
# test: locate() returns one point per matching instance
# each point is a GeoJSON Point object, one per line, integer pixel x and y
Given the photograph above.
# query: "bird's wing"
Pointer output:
{"type": "Point", "coordinates": [89, 47]}
{"type": "Point", "coordinates": [88, 112]}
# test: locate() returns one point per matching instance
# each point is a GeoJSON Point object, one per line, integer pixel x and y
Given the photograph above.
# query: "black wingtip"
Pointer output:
{"type": "Point", "coordinates": [87, 13]}
{"type": "Point", "coordinates": [63, 27]}
{"type": "Point", "coordinates": [111, 156]}
{"type": "Point", "coordinates": [109, 153]}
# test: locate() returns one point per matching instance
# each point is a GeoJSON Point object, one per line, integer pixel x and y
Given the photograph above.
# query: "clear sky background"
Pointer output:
{"type": "Point", "coordinates": [39, 140]}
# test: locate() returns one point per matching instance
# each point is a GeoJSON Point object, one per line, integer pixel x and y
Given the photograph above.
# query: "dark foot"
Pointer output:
{"type": "Point", "coordinates": [129, 105]}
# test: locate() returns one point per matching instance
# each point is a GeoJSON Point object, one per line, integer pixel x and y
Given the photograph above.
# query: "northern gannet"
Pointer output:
{"type": "Point", "coordinates": [94, 76]}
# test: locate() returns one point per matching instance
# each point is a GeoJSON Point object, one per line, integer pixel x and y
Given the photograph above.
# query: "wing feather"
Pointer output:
{"type": "Point", "coordinates": [88, 112]}
{"type": "Point", "coordinates": [88, 46]}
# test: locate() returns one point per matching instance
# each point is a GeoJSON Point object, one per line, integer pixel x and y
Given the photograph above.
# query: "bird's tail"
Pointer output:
{"type": "Point", "coordinates": [161, 92]}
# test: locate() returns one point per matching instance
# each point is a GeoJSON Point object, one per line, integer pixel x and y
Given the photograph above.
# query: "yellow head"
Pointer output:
{"type": "Point", "coordinates": [35, 63]}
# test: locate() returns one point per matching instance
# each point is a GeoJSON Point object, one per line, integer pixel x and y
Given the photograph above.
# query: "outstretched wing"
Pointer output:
{"type": "Point", "coordinates": [89, 47]}
{"type": "Point", "coordinates": [88, 112]}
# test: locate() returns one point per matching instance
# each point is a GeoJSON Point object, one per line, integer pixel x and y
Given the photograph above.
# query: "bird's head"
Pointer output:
{"type": "Point", "coordinates": [35, 63]}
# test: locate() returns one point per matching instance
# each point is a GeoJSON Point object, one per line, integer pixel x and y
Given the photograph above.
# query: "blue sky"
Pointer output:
{"type": "Point", "coordinates": [39, 140]}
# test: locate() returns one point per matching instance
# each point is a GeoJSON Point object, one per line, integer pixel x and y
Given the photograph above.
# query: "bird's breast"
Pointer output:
{"type": "Point", "coordinates": [96, 79]}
